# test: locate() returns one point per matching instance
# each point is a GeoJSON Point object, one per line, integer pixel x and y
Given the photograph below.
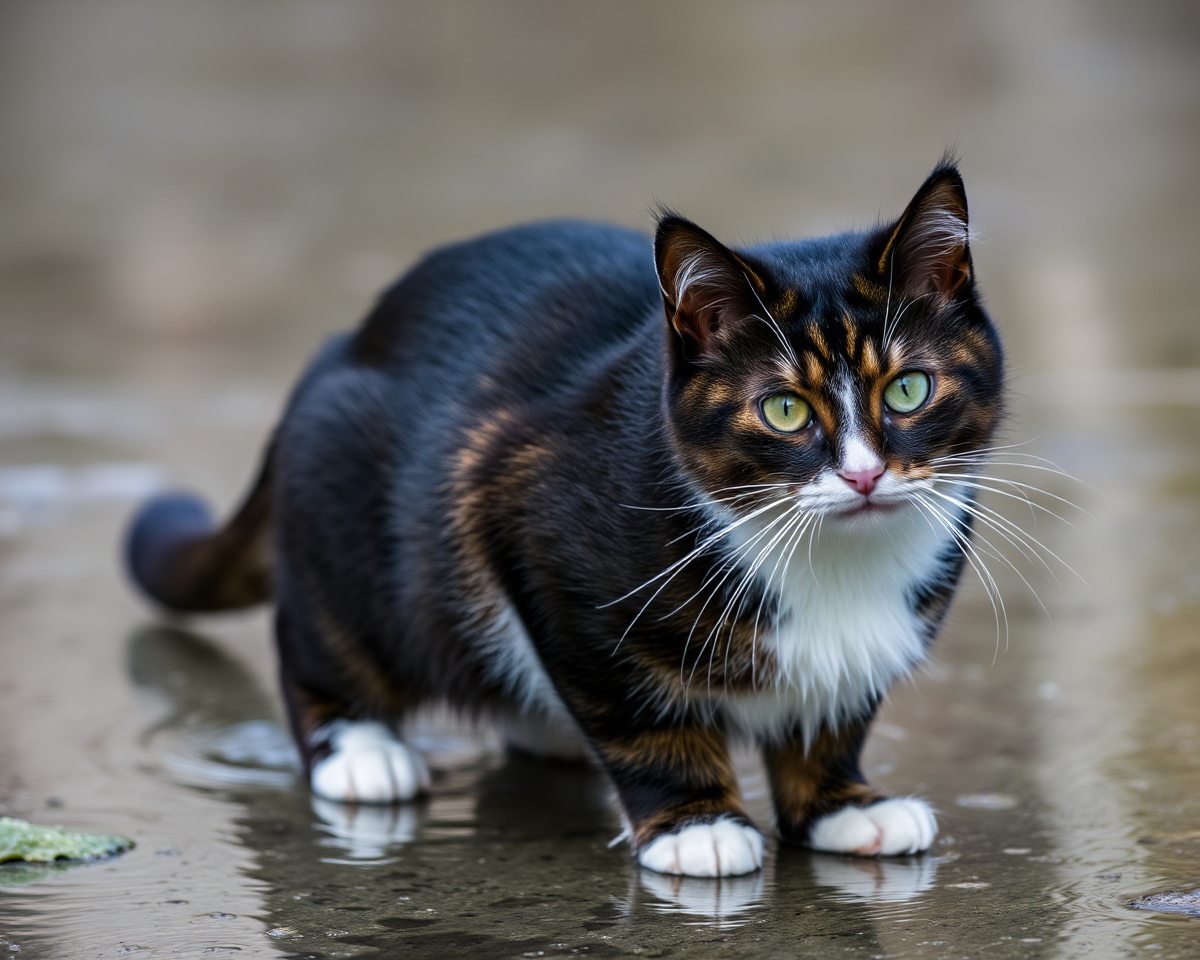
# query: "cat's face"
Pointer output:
{"type": "Point", "coordinates": [839, 373]}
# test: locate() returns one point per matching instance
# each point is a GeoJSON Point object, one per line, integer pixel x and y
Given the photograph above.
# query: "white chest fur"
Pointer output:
{"type": "Point", "coordinates": [846, 629]}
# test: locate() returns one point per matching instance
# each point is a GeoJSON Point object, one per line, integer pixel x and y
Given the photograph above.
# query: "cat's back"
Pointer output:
{"type": "Point", "coordinates": [525, 306]}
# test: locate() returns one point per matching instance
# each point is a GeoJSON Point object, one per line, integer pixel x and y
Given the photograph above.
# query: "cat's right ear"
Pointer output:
{"type": "Point", "coordinates": [707, 289]}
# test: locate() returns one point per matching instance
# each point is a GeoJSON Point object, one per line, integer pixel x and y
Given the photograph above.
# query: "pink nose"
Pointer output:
{"type": "Point", "coordinates": [862, 480]}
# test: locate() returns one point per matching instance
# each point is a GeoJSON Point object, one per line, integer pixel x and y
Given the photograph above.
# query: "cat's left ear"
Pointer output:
{"type": "Point", "coordinates": [927, 251]}
{"type": "Point", "coordinates": [707, 288]}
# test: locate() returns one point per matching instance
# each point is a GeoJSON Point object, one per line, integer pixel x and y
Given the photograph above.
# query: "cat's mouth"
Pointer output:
{"type": "Point", "coordinates": [868, 508]}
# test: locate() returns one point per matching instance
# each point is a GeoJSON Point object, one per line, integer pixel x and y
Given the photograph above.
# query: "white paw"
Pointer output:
{"type": "Point", "coordinates": [888, 828]}
{"type": "Point", "coordinates": [724, 848]}
{"type": "Point", "coordinates": [367, 764]}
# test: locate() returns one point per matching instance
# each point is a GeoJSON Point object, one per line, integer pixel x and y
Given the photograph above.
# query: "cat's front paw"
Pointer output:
{"type": "Point", "coordinates": [723, 848]}
{"type": "Point", "coordinates": [367, 764]}
{"type": "Point", "coordinates": [889, 828]}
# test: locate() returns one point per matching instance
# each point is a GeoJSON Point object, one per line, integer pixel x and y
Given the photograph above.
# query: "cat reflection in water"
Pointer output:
{"type": "Point", "coordinates": [629, 499]}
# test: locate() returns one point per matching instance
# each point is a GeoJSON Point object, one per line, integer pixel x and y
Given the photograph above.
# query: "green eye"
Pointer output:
{"type": "Point", "coordinates": [907, 392]}
{"type": "Point", "coordinates": [786, 412]}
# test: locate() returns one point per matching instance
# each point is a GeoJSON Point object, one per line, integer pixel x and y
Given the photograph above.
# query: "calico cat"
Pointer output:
{"type": "Point", "coordinates": [627, 499]}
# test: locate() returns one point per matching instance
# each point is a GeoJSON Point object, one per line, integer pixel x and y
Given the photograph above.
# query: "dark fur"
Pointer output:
{"type": "Point", "coordinates": [491, 427]}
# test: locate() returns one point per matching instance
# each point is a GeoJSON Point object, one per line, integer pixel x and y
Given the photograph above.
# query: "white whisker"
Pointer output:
{"type": "Point", "coordinates": [795, 526]}
{"type": "Point", "coordinates": [885, 340]}
{"type": "Point", "coordinates": [995, 553]}
{"type": "Point", "coordinates": [742, 586]}
{"type": "Point", "coordinates": [899, 316]}
{"type": "Point", "coordinates": [737, 557]}
{"type": "Point", "coordinates": [999, 523]}
{"type": "Point", "coordinates": [772, 323]}
{"type": "Point", "coordinates": [976, 480]}
{"type": "Point", "coordinates": [675, 568]}
{"type": "Point", "coordinates": [953, 525]}
{"type": "Point", "coordinates": [785, 556]}
{"type": "Point", "coordinates": [1046, 466]}
{"type": "Point", "coordinates": [727, 564]}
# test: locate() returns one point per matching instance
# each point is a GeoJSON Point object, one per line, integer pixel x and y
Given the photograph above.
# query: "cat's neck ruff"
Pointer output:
{"type": "Point", "coordinates": [847, 626]}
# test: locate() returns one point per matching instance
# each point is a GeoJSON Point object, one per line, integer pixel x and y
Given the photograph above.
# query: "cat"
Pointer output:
{"type": "Point", "coordinates": [628, 499]}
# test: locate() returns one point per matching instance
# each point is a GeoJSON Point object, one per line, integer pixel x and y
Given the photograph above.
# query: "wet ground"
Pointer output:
{"type": "Point", "coordinates": [192, 196]}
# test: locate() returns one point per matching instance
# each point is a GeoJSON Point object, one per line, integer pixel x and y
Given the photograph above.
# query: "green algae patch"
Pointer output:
{"type": "Point", "coordinates": [24, 841]}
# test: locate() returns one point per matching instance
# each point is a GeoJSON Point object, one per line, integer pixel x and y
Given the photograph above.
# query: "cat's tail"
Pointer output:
{"type": "Point", "coordinates": [180, 558]}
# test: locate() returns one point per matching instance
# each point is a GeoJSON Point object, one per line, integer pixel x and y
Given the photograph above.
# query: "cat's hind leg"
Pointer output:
{"type": "Point", "coordinates": [822, 800]}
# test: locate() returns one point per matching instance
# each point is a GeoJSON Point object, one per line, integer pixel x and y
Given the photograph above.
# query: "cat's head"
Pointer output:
{"type": "Point", "coordinates": [843, 370]}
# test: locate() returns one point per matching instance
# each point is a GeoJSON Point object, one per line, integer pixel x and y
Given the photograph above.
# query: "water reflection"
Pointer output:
{"type": "Point", "coordinates": [197, 682]}
{"type": "Point", "coordinates": [725, 903]}
{"type": "Point", "coordinates": [365, 833]}
{"type": "Point", "coordinates": [876, 881]}
{"type": "Point", "coordinates": [219, 727]}
{"type": "Point", "coordinates": [18, 874]}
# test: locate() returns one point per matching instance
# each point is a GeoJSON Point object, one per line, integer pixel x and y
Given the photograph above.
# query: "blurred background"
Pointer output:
{"type": "Point", "coordinates": [194, 194]}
